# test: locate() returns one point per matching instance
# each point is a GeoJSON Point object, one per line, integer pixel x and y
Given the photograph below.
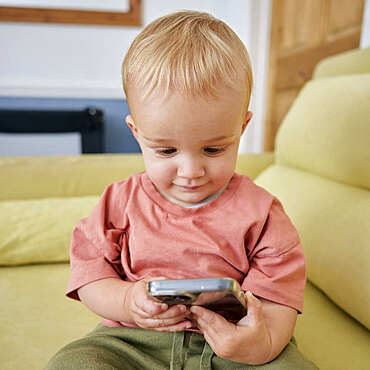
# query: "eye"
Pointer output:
{"type": "Point", "coordinates": [211, 150]}
{"type": "Point", "coordinates": [166, 152]}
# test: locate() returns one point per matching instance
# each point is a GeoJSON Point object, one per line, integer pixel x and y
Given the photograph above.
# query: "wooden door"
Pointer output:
{"type": "Point", "coordinates": [302, 33]}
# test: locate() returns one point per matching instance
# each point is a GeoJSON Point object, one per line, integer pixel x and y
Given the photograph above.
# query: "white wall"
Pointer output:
{"type": "Point", "coordinates": [365, 34]}
{"type": "Point", "coordinates": [85, 60]}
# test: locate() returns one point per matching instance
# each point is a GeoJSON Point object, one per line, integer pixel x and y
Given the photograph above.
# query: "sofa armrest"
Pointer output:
{"type": "Point", "coordinates": [253, 164]}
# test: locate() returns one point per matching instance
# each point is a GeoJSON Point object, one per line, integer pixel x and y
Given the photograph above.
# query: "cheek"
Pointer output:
{"type": "Point", "coordinates": [225, 167]}
{"type": "Point", "coordinates": [222, 175]}
{"type": "Point", "coordinates": [159, 171]}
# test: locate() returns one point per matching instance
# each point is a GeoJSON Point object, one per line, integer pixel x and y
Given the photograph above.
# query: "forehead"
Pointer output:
{"type": "Point", "coordinates": [174, 114]}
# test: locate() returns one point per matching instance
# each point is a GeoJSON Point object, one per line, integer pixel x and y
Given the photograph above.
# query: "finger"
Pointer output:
{"type": "Point", "coordinates": [170, 317]}
{"type": "Point", "coordinates": [150, 309]}
{"type": "Point", "coordinates": [146, 305]}
{"type": "Point", "coordinates": [151, 306]}
{"type": "Point", "coordinates": [215, 328]}
{"type": "Point", "coordinates": [210, 323]}
{"type": "Point", "coordinates": [181, 326]}
{"type": "Point", "coordinates": [173, 312]}
{"type": "Point", "coordinates": [255, 314]}
{"type": "Point", "coordinates": [162, 323]}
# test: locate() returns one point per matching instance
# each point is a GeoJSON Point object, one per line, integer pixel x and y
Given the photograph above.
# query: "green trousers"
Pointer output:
{"type": "Point", "coordinates": [129, 348]}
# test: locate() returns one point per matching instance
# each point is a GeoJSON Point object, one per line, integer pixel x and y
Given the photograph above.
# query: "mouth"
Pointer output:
{"type": "Point", "coordinates": [189, 188]}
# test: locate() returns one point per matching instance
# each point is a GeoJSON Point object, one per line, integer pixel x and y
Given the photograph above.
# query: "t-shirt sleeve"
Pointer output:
{"type": "Point", "coordinates": [96, 244]}
{"type": "Point", "coordinates": [277, 269]}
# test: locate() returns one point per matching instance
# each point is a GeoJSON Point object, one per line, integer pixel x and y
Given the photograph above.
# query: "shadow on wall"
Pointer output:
{"type": "Point", "coordinates": [117, 137]}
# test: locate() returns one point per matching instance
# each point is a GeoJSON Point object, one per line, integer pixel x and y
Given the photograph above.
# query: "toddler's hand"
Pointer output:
{"type": "Point", "coordinates": [248, 341]}
{"type": "Point", "coordinates": [148, 314]}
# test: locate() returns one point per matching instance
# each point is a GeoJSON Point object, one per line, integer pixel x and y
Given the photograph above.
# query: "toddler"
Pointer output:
{"type": "Point", "coordinates": [187, 79]}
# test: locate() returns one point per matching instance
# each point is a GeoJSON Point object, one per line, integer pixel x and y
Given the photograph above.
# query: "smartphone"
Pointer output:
{"type": "Point", "coordinates": [221, 295]}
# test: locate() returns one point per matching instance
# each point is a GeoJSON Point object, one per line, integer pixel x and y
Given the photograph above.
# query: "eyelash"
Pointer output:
{"type": "Point", "coordinates": [212, 151]}
{"type": "Point", "coordinates": [166, 152]}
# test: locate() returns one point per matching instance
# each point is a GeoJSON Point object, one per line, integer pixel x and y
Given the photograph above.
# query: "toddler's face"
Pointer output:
{"type": "Point", "coordinates": [189, 145]}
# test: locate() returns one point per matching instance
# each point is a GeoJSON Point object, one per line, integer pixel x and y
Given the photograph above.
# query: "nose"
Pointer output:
{"type": "Point", "coordinates": [190, 167]}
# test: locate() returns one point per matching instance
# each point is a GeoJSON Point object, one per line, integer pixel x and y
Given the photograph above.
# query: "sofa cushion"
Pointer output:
{"type": "Point", "coordinates": [351, 62]}
{"type": "Point", "coordinates": [36, 231]}
{"type": "Point", "coordinates": [252, 164]}
{"type": "Point", "coordinates": [327, 130]}
{"type": "Point", "coordinates": [36, 317]}
{"type": "Point", "coordinates": [333, 222]}
{"type": "Point", "coordinates": [329, 337]}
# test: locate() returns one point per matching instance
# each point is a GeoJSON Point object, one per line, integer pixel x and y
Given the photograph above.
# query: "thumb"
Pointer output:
{"type": "Point", "coordinates": [254, 307]}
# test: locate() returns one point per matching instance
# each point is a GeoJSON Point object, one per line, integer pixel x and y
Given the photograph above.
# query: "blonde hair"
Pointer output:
{"type": "Point", "coordinates": [190, 52]}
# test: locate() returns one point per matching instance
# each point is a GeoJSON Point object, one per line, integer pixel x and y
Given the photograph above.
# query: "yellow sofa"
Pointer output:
{"type": "Point", "coordinates": [320, 170]}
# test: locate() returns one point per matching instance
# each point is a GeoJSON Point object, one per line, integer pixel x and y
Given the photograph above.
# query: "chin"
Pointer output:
{"type": "Point", "coordinates": [191, 200]}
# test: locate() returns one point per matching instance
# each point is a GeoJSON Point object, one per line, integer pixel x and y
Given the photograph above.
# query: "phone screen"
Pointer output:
{"type": "Point", "coordinates": [229, 307]}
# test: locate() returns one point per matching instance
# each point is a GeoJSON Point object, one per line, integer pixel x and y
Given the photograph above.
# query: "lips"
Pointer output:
{"type": "Point", "coordinates": [189, 188]}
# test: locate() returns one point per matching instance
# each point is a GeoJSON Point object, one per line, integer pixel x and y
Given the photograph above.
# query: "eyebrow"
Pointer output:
{"type": "Point", "coordinates": [159, 140]}
{"type": "Point", "coordinates": [156, 140]}
{"type": "Point", "coordinates": [219, 138]}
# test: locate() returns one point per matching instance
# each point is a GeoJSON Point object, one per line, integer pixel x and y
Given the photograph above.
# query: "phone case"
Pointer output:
{"type": "Point", "coordinates": [221, 295]}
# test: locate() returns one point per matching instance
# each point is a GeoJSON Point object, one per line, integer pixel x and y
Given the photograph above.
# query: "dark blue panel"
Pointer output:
{"type": "Point", "coordinates": [117, 136]}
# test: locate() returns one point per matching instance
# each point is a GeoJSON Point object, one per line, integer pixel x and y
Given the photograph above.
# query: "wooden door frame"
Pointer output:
{"type": "Point", "coordinates": [68, 16]}
{"type": "Point", "coordinates": [306, 62]}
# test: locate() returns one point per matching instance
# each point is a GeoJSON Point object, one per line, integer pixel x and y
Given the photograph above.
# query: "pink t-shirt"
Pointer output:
{"type": "Point", "coordinates": [134, 233]}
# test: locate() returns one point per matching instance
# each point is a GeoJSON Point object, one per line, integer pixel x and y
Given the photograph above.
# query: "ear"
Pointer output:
{"type": "Point", "coordinates": [130, 123]}
{"type": "Point", "coordinates": [247, 119]}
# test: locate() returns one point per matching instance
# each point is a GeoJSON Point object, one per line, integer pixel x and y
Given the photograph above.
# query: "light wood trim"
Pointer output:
{"type": "Point", "coordinates": [46, 15]}
{"type": "Point", "coordinates": [298, 42]}
{"type": "Point", "coordinates": [270, 95]}
{"type": "Point", "coordinates": [291, 77]}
